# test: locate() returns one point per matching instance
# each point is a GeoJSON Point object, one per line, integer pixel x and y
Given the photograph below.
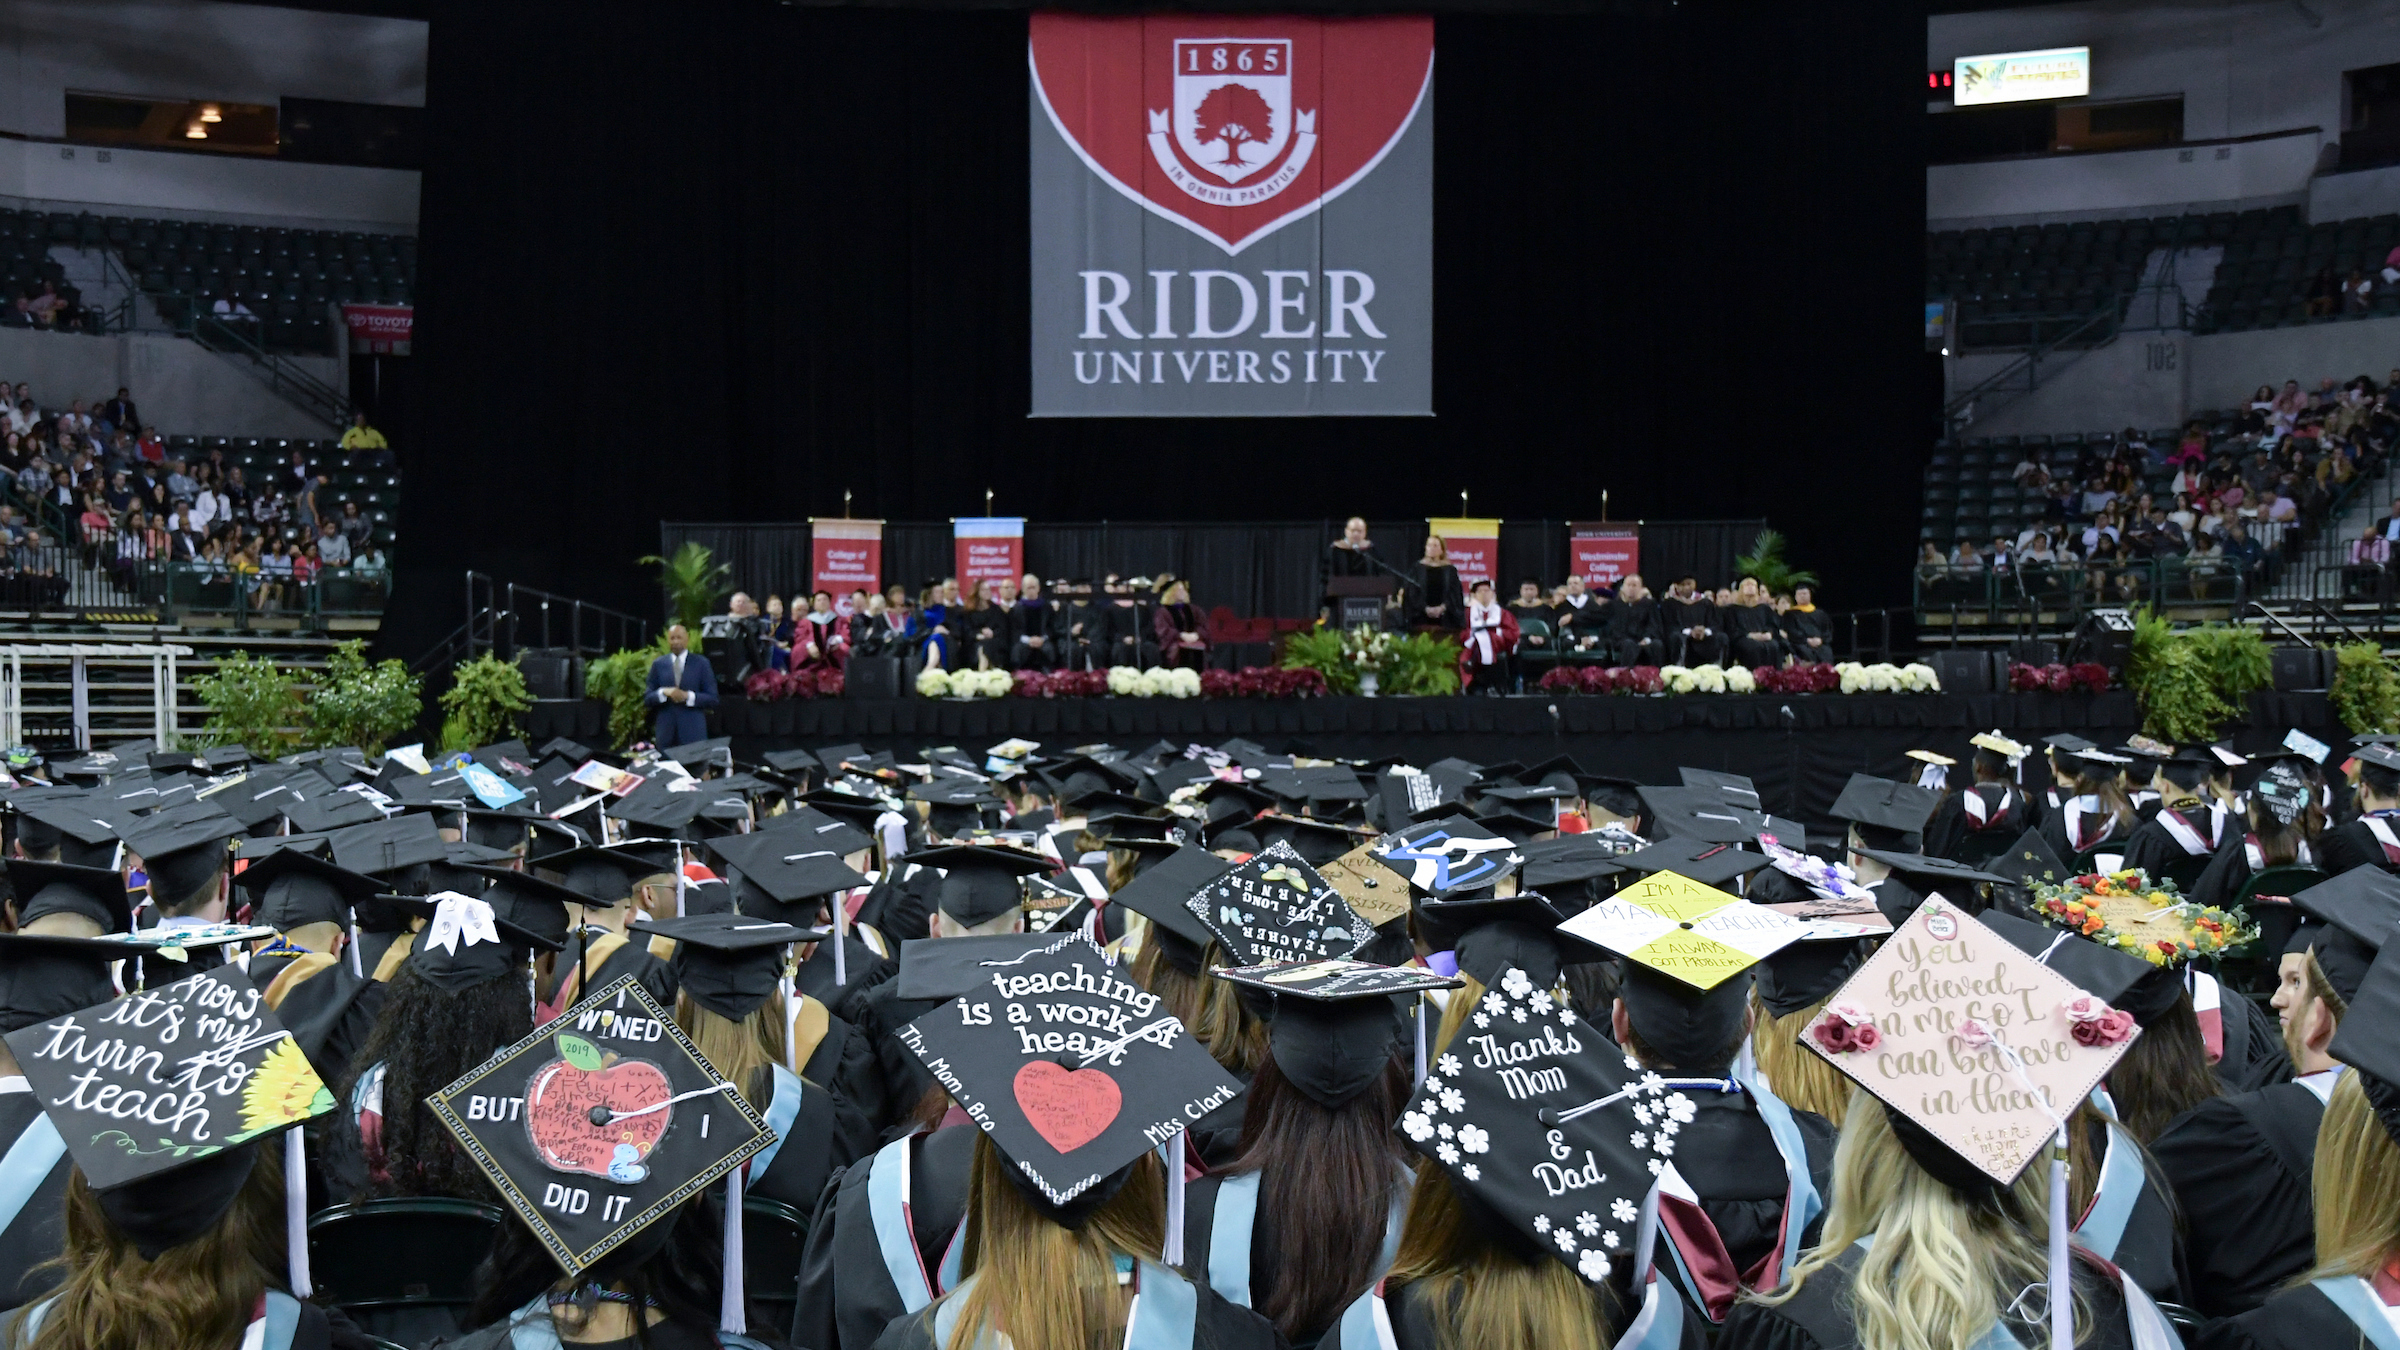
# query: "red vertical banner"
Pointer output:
{"type": "Point", "coordinates": [989, 548]}
{"type": "Point", "coordinates": [1474, 547]}
{"type": "Point", "coordinates": [1603, 553]}
{"type": "Point", "coordinates": [845, 555]}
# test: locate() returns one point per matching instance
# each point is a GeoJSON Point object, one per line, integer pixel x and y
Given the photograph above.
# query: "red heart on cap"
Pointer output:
{"type": "Point", "coordinates": [1068, 1107]}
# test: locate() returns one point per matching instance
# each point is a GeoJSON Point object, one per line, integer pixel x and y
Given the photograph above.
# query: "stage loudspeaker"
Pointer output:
{"type": "Point", "coordinates": [549, 672]}
{"type": "Point", "coordinates": [871, 677]}
{"type": "Point", "coordinates": [2299, 668]}
{"type": "Point", "coordinates": [1963, 672]}
{"type": "Point", "coordinates": [2105, 637]}
{"type": "Point", "coordinates": [2033, 652]}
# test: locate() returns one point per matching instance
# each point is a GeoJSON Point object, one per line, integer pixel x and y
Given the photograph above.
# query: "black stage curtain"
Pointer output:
{"type": "Point", "coordinates": [728, 260]}
{"type": "Point", "coordinates": [1800, 750]}
{"type": "Point", "coordinates": [1261, 570]}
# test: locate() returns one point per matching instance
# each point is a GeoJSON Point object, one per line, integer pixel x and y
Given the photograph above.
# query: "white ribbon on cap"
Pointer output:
{"type": "Point", "coordinates": [458, 918]}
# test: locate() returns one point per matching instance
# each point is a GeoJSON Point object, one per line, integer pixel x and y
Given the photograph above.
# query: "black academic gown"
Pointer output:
{"type": "Point", "coordinates": [1637, 634]}
{"type": "Point", "coordinates": [1575, 623]}
{"type": "Point", "coordinates": [329, 1011]}
{"type": "Point", "coordinates": [886, 1085]}
{"type": "Point", "coordinates": [1819, 1316]}
{"type": "Point", "coordinates": [2296, 1319]}
{"type": "Point", "coordinates": [1896, 898]}
{"type": "Point", "coordinates": [849, 1291]}
{"type": "Point", "coordinates": [1437, 584]}
{"type": "Point", "coordinates": [2354, 845]}
{"type": "Point", "coordinates": [1679, 617]}
{"type": "Point", "coordinates": [618, 956]}
{"type": "Point", "coordinates": [2155, 848]}
{"type": "Point", "coordinates": [1756, 633]}
{"type": "Point", "coordinates": [1998, 809]}
{"type": "Point", "coordinates": [1799, 625]}
{"type": "Point", "coordinates": [1127, 640]}
{"type": "Point", "coordinates": [840, 1057]}
{"type": "Point", "coordinates": [2054, 833]}
{"type": "Point", "coordinates": [2241, 1168]}
{"type": "Point", "coordinates": [664, 1336]}
{"type": "Point", "coordinates": [1419, 1321]}
{"type": "Point", "coordinates": [2254, 1055]}
{"type": "Point", "coordinates": [36, 1232]}
{"type": "Point", "coordinates": [2147, 1246]}
{"type": "Point", "coordinates": [2221, 882]}
{"type": "Point", "coordinates": [1729, 1159]}
{"type": "Point", "coordinates": [803, 1158]}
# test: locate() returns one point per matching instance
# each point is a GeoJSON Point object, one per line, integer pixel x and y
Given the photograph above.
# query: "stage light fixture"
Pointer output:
{"type": "Point", "coordinates": [195, 132]}
{"type": "Point", "coordinates": [210, 112]}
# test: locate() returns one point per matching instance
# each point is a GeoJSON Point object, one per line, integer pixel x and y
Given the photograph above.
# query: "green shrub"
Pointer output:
{"type": "Point", "coordinates": [2191, 683]}
{"type": "Point", "coordinates": [1423, 664]}
{"type": "Point", "coordinates": [250, 702]}
{"type": "Point", "coordinates": [2366, 689]}
{"type": "Point", "coordinates": [482, 703]}
{"type": "Point", "coordinates": [694, 582]}
{"type": "Point", "coordinates": [621, 678]}
{"type": "Point", "coordinates": [1320, 650]}
{"type": "Point", "coordinates": [362, 705]}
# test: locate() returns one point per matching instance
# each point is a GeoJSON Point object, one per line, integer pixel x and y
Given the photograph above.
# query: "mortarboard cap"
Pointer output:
{"type": "Point", "coordinates": [249, 1080]}
{"type": "Point", "coordinates": [777, 877]}
{"type": "Point", "coordinates": [944, 968]}
{"type": "Point", "coordinates": [1939, 869]}
{"type": "Point", "coordinates": [1159, 894]}
{"type": "Point", "coordinates": [613, 1099]}
{"type": "Point", "coordinates": [86, 830]}
{"type": "Point", "coordinates": [328, 812]}
{"type": "Point", "coordinates": [730, 964]}
{"type": "Point", "coordinates": [1072, 1108]}
{"type": "Point", "coordinates": [1949, 967]}
{"type": "Point", "coordinates": [1331, 1026]}
{"type": "Point", "coordinates": [1701, 813]}
{"type": "Point", "coordinates": [2030, 862]}
{"type": "Point", "coordinates": [96, 893]}
{"type": "Point", "coordinates": [980, 882]}
{"type": "Point", "coordinates": [1695, 859]}
{"type": "Point", "coordinates": [1886, 814]}
{"type": "Point", "coordinates": [43, 976]}
{"type": "Point", "coordinates": [602, 876]}
{"type": "Point", "coordinates": [818, 830]}
{"type": "Point", "coordinates": [381, 847]}
{"type": "Point", "coordinates": [181, 848]}
{"type": "Point", "coordinates": [291, 887]}
{"type": "Point", "coordinates": [1317, 842]}
{"type": "Point", "coordinates": [529, 903]}
{"type": "Point", "coordinates": [1275, 907]}
{"type": "Point", "coordinates": [2353, 912]}
{"type": "Point", "coordinates": [2368, 1039]}
{"type": "Point", "coordinates": [467, 940]}
{"type": "Point", "coordinates": [1450, 856]}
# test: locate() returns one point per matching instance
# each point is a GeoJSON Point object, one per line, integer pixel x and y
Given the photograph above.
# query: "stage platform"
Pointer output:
{"type": "Point", "coordinates": [1799, 749]}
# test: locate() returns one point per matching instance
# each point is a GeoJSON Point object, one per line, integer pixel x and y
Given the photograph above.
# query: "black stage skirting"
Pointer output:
{"type": "Point", "coordinates": [1799, 749]}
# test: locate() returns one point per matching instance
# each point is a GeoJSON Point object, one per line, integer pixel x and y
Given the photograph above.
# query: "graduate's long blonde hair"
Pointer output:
{"type": "Point", "coordinates": [1042, 1286]}
{"type": "Point", "coordinates": [1941, 1268]}
{"type": "Point", "coordinates": [1805, 1080]}
{"type": "Point", "coordinates": [2357, 1187]}
{"type": "Point", "coordinates": [1483, 1294]}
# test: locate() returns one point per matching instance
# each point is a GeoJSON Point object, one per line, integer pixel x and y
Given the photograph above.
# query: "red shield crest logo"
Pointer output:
{"type": "Point", "coordinates": [1231, 127]}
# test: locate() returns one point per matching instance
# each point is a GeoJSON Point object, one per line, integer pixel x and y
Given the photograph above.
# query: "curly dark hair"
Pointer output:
{"type": "Point", "coordinates": [425, 1039]}
{"type": "Point", "coordinates": [678, 1264]}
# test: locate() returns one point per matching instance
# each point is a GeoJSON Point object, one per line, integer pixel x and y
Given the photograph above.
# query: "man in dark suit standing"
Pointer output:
{"type": "Point", "coordinates": [681, 685]}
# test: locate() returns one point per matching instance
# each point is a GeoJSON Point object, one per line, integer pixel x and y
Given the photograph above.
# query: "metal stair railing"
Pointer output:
{"type": "Point", "coordinates": [289, 382]}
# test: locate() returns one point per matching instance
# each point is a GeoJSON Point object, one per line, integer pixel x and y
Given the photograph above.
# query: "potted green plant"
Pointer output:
{"type": "Point", "coordinates": [694, 582]}
{"type": "Point", "coordinates": [252, 702]}
{"type": "Point", "coordinates": [360, 704]}
{"type": "Point", "coordinates": [482, 703]}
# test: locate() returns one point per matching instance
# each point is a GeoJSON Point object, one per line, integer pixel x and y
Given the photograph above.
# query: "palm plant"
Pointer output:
{"type": "Point", "coordinates": [1765, 561]}
{"type": "Point", "coordinates": [693, 580]}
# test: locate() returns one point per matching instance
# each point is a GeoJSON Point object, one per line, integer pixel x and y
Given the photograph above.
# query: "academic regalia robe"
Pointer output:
{"type": "Point", "coordinates": [1577, 623]}
{"type": "Point", "coordinates": [2179, 843]}
{"type": "Point", "coordinates": [1418, 1323]}
{"type": "Point", "coordinates": [882, 1242]}
{"type": "Point", "coordinates": [33, 1194]}
{"type": "Point", "coordinates": [530, 1328]}
{"type": "Point", "coordinates": [828, 1052]}
{"type": "Point", "coordinates": [1216, 1324]}
{"type": "Point", "coordinates": [2359, 843]}
{"type": "Point", "coordinates": [1637, 634]}
{"type": "Point", "coordinates": [1679, 617]}
{"type": "Point", "coordinates": [1436, 584]}
{"type": "Point", "coordinates": [1126, 634]}
{"type": "Point", "coordinates": [328, 1008]}
{"type": "Point", "coordinates": [1217, 1136]}
{"type": "Point", "coordinates": [863, 964]}
{"type": "Point", "coordinates": [1221, 1238]}
{"type": "Point", "coordinates": [1996, 809]}
{"type": "Point", "coordinates": [2334, 1314]}
{"type": "Point", "coordinates": [1819, 1317]}
{"type": "Point", "coordinates": [794, 1168]}
{"type": "Point", "coordinates": [1895, 898]}
{"type": "Point", "coordinates": [1031, 619]}
{"type": "Point", "coordinates": [887, 1086]}
{"type": "Point", "coordinates": [1747, 1169]}
{"type": "Point", "coordinates": [1756, 633]}
{"type": "Point", "coordinates": [2250, 1043]}
{"type": "Point", "coordinates": [2220, 884]}
{"type": "Point", "coordinates": [2242, 1168]}
{"type": "Point", "coordinates": [1079, 650]}
{"type": "Point", "coordinates": [1799, 625]}
{"type": "Point", "coordinates": [2130, 1221]}
{"type": "Point", "coordinates": [289, 1324]}
{"type": "Point", "coordinates": [605, 958]}
{"type": "Point", "coordinates": [2077, 827]}
{"type": "Point", "coordinates": [902, 909]}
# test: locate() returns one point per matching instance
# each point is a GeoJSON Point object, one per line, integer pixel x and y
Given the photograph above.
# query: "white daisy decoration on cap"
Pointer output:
{"type": "Point", "coordinates": [1592, 1266]}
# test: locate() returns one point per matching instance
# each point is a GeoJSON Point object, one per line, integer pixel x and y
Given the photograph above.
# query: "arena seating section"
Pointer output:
{"type": "Point", "coordinates": [286, 277]}
{"type": "Point", "coordinates": [2026, 284]}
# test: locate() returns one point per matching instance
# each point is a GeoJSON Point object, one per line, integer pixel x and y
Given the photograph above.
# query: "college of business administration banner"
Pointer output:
{"type": "Point", "coordinates": [1474, 545]}
{"type": "Point", "coordinates": [845, 555]}
{"type": "Point", "coordinates": [989, 548]}
{"type": "Point", "coordinates": [1603, 553]}
{"type": "Point", "coordinates": [1231, 216]}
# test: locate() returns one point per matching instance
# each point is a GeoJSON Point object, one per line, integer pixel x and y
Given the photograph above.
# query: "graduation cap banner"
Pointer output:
{"type": "Point", "coordinates": [1275, 907]}
{"type": "Point", "coordinates": [1337, 979]}
{"type": "Point", "coordinates": [1950, 1003]}
{"type": "Point", "coordinates": [1377, 893]}
{"type": "Point", "coordinates": [1071, 1068]}
{"type": "Point", "coordinates": [1451, 854]}
{"type": "Point", "coordinates": [1534, 1113]}
{"type": "Point", "coordinates": [600, 1123]}
{"type": "Point", "coordinates": [1676, 926]}
{"type": "Point", "coordinates": [167, 1075]}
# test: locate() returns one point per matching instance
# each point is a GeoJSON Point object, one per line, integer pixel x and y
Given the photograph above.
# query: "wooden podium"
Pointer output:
{"type": "Point", "coordinates": [1358, 600]}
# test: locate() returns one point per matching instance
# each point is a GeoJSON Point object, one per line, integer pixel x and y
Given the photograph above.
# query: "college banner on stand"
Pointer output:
{"type": "Point", "coordinates": [1603, 553]}
{"type": "Point", "coordinates": [845, 555]}
{"type": "Point", "coordinates": [1231, 216]}
{"type": "Point", "coordinates": [989, 548]}
{"type": "Point", "coordinates": [1474, 545]}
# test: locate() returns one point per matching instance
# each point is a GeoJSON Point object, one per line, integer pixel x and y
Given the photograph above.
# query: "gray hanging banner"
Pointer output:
{"type": "Point", "coordinates": [1232, 217]}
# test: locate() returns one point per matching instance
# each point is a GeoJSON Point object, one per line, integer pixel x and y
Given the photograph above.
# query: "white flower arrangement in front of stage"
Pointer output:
{"type": "Point", "coordinates": [1886, 678]}
{"type": "Point", "coordinates": [1693, 679]}
{"type": "Point", "coordinates": [1156, 682]}
{"type": "Point", "coordinates": [1739, 680]}
{"type": "Point", "coordinates": [934, 682]}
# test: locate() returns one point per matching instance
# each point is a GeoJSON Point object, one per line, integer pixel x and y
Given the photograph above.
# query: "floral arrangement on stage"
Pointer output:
{"type": "Point", "coordinates": [771, 686]}
{"type": "Point", "coordinates": [1885, 678]}
{"type": "Point", "coordinates": [1708, 679]}
{"type": "Point", "coordinates": [1156, 682]}
{"type": "Point", "coordinates": [2149, 919]}
{"type": "Point", "coordinates": [1602, 680]}
{"type": "Point", "coordinates": [1809, 677]}
{"type": "Point", "coordinates": [1061, 683]}
{"type": "Point", "coordinates": [2089, 677]}
{"type": "Point", "coordinates": [1262, 682]}
{"type": "Point", "coordinates": [935, 682]}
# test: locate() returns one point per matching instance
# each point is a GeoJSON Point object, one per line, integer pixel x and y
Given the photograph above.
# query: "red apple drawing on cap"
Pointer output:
{"type": "Point", "coordinates": [1067, 1107]}
{"type": "Point", "coordinates": [595, 1113]}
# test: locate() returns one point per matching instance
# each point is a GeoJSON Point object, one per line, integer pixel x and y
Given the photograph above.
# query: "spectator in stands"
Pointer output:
{"type": "Point", "coordinates": [358, 529]}
{"type": "Point", "coordinates": [1966, 570]}
{"type": "Point", "coordinates": [152, 446]}
{"type": "Point", "coordinates": [304, 506]}
{"type": "Point", "coordinates": [2105, 564]}
{"type": "Point", "coordinates": [364, 445]}
{"type": "Point", "coordinates": [237, 494]}
{"type": "Point", "coordinates": [119, 493]}
{"type": "Point", "coordinates": [305, 566]}
{"type": "Point", "coordinates": [183, 538]}
{"type": "Point", "coordinates": [97, 528]}
{"type": "Point", "coordinates": [181, 486]}
{"type": "Point", "coordinates": [34, 479]}
{"type": "Point", "coordinates": [24, 417]}
{"type": "Point", "coordinates": [45, 305]}
{"type": "Point", "coordinates": [212, 511]}
{"type": "Point", "coordinates": [2028, 468]}
{"type": "Point", "coordinates": [2357, 292]}
{"type": "Point", "coordinates": [267, 507]}
{"type": "Point", "coordinates": [2242, 552]}
{"type": "Point", "coordinates": [2371, 549]}
{"type": "Point", "coordinates": [2324, 292]}
{"type": "Point", "coordinates": [120, 412]}
{"type": "Point", "coordinates": [133, 550]}
{"type": "Point", "coordinates": [297, 474]}
{"type": "Point", "coordinates": [274, 577]}
{"type": "Point", "coordinates": [19, 313]}
{"type": "Point", "coordinates": [59, 497]}
{"type": "Point", "coordinates": [2097, 495]}
{"type": "Point", "coordinates": [75, 421]}
{"type": "Point", "coordinates": [12, 530]}
{"type": "Point", "coordinates": [1932, 567]}
{"type": "Point", "coordinates": [2103, 529]}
